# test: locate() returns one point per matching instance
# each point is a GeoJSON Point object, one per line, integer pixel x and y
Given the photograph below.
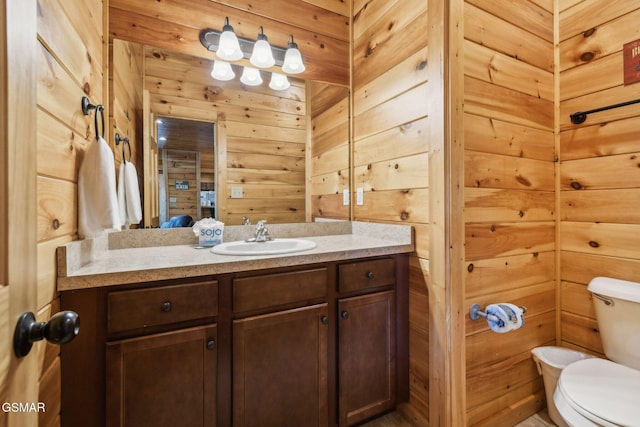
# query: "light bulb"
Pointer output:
{"type": "Point", "coordinates": [229, 47]}
{"type": "Point", "coordinates": [251, 76]}
{"type": "Point", "coordinates": [279, 82]}
{"type": "Point", "coordinates": [222, 71]}
{"type": "Point", "coordinates": [293, 63]}
{"type": "Point", "coordinates": [262, 56]}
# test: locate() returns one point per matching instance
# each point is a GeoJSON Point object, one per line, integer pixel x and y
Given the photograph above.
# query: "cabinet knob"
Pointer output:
{"type": "Point", "coordinates": [166, 306]}
{"type": "Point", "coordinates": [370, 275]}
{"type": "Point", "coordinates": [324, 320]}
{"type": "Point", "coordinates": [211, 344]}
{"type": "Point", "coordinates": [344, 314]}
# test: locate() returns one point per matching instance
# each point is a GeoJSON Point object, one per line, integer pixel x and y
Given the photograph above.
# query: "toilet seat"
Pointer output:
{"type": "Point", "coordinates": [599, 390]}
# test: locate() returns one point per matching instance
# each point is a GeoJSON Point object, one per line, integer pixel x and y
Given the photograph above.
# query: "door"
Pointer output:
{"type": "Point", "coordinates": [366, 356]}
{"type": "Point", "coordinates": [18, 377]}
{"type": "Point", "coordinates": [167, 379]}
{"type": "Point", "coordinates": [280, 369]}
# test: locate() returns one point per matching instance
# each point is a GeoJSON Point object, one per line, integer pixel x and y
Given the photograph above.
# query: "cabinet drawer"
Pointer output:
{"type": "Point", "coordinates": [252, 293]}
{"type": "Point", "coordinates": [366, 274]}
{"type": "Point", "coordinates": [140, 308]}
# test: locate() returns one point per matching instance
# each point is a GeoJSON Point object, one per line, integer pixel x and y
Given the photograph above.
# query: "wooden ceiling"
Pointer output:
{"type": "Point", "coordinates": [181, 134]}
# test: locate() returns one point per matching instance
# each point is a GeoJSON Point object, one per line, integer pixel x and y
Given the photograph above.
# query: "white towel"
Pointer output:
{"type": "Point", "coordinates": [97, 200]}
{"type": "Point", "coordinates": [129, 195]}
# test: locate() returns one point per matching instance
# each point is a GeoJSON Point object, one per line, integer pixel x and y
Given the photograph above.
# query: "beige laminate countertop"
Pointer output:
{"type": "Point", "coordinates": [89, 264]}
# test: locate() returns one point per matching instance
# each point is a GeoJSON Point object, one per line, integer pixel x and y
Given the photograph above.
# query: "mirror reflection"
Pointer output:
{"type": "Point", "coordinates": [279, 155]}
{"type": "Point", "coordinates": [186, 171]}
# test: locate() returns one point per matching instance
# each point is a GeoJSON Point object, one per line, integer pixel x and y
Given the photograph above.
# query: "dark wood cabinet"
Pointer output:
{"type": "Point", "coordinates": [366, 356]}
{"type": "Point", "coordinates": [321, 345]}
{"type": "Point", "coordinates": [280, 368]}
{"type": "Point", "coordinates": [166, 379]}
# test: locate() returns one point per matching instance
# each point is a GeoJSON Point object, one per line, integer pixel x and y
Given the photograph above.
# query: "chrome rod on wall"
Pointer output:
{"type": "Point", "coordinates": [581, 116]}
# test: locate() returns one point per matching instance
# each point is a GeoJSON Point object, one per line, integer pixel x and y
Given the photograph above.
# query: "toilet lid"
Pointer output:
{"type": "Point", "coordinates": [604, 389]}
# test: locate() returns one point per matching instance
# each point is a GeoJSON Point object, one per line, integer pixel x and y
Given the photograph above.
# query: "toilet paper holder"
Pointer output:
{"type": "Point", "coordinates": [475, 312]}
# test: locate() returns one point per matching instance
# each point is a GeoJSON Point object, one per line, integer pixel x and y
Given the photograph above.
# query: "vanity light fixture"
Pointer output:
{"type": "Point", "coordinates": [259, 53]}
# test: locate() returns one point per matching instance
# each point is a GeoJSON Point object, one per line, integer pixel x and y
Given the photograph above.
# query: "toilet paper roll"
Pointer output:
{"type": "Point", "coordinates": [504, 317]}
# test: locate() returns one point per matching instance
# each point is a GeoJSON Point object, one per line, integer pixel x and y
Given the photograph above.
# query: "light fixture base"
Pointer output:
{"type": "Point", "coordinates": [210, 39]}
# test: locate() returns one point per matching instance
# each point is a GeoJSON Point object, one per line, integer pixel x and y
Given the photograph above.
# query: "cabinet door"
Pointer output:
{"type": "Point", "coordinates": [366, 356]}
{"type": "Point", "coordinates": [280, 369]}
{"type": "Point", "coordinates": [166, 379]}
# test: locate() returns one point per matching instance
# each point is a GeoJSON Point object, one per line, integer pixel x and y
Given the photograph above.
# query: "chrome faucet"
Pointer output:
{"type": "Point", "coordinates": [262, 232]}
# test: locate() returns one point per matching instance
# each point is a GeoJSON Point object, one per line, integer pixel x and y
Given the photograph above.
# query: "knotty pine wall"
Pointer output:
{"type": "Point", "coordinates": [126, 78]}
{"type": "Point", "coordinates": [509, 197]}
{"type": "Point", "coordinates": [329, 150]}
{"type": "Point", "coordinates": [390, 151]}
{"type": "Point", "coordinates": [264, 138]}
{"type": "Point", "coordinates": [70, 61]}
{"type": "Point", "coordinates": [599, 176]}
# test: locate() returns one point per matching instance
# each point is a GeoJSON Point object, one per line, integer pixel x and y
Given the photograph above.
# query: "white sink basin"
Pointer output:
{"type": "Point", "coordinates": [271, 247]}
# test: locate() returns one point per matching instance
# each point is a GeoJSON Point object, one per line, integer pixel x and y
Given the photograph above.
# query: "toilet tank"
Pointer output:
{"type": "Point", "coordinates": [617, 305]}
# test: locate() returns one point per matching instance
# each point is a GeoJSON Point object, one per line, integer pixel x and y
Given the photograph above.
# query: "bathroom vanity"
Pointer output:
{"type": "Point", "coordinates": [315, 338]}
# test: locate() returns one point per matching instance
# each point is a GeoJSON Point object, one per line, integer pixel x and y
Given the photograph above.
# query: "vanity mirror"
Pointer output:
{"type": "Point", "coordinates": [279, 155]}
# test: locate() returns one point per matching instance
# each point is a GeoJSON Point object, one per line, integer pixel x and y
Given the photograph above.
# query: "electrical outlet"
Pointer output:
{"type": "Point", "coordinates": [360, 196]}
{"type": "Point", "coordinates": [345, 197]}
{"type": "Point", "coordinates": [236, 193]}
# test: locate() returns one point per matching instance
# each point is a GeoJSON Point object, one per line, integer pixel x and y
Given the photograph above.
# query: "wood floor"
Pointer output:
{"type": "Point", "coordinates": [393, 419]}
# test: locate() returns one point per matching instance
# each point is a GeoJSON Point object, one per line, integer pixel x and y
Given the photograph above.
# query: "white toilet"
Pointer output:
{"type": "Point", "coordinates": [600, 392]}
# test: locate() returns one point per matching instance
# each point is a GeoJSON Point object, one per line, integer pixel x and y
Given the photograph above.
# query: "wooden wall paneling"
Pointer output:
{"type": "Point", "coordinates": [534, 18]}
{"type": "Point", "coordinates": [576, 299]}
{"type": "Point", "coordinates": [404, 108]}
{"type": "Point", "coordinates": [489, 135]}
{"type": "Point", "coordinates": [58, 148]}
{"type": "Point", "coordinates": [602, 73]}
{"type": "Point", "coordinates": [599, 139]}
{"type": "Point", "coordinates": [394, 205]}
{"type": "Point", "coordinates": [57, 215]}
{"type": "Point", "coordinates": [600, 99]}
{"type": "Point", "coordinates": [387, 38]}
{"type": "Point", "coordinates": [74, 42]}
{"type": "Point", "coordinates": [610, 205]}
{"type": "Point", "coordinates": [328, 159]}
{"type": "Point", "coordinates": [582, 267]}
{"type": "Point", "coordinates": [505, 205]}
{"type": "Point", "coordinates": [510, 200]}
{"type": "Point", "coordinates": [399, 141]}
{"type": "Point", "coordinates": [489, 30]}
{"type": "Point", "coordinates": [485, 64]}
{"type": "Point", "coordinates": [489, 100]}
{"type": "Point", "coordinates": [610, 239]}
{"type": "Point", "coordinates": [597, 205]}
{"type": "Point", "coordinates": [582, 16]}
{"type": "Point", "coordinates": [581, 331]}
{"type": "Point", "coordinates": [495, 275]}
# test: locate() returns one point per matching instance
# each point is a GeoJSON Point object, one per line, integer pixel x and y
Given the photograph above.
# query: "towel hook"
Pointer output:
{"type": "Point", "coordinates": [87, 106]}
{"type": "Point", "coordinates": [125, 141]}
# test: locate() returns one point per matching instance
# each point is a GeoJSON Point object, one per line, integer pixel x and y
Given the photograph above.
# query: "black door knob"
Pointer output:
{"type": "Point", "coordinates": [60, 329]}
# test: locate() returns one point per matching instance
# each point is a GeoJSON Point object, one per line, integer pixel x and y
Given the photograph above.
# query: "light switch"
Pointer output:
{"type": "Point", "coordinates": [360, 196]}
{"type": "Point", "coordinates": [345, 197]}
{"type": "Point", "coordinates": [236, 193]}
